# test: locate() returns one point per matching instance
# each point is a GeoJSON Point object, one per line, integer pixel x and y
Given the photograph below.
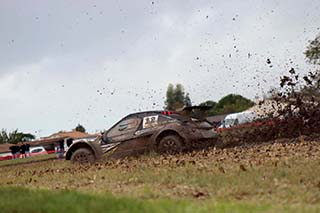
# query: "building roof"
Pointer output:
{"type": "Point", "coordinates": [71, 134]}
{"type": "Point", "coordinates": [5, 147]}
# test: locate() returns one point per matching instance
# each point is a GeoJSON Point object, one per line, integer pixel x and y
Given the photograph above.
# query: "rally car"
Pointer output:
{"type": "Point", "coordinates": [138, 133]}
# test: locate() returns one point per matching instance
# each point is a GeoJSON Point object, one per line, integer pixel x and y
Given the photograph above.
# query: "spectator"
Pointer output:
{"type": "Point", "coordinates": [69, 141]}
{"type": "Point", "coordinates": [28, 150]}
{"type": "Point", "coordinates": [13, 151]}
{"type": "Point", "coordinates": [23, 150]}
{"type": "Point", "coordinates": [61, 146]}
{"type": "Point", "coordinates": [60, 150]}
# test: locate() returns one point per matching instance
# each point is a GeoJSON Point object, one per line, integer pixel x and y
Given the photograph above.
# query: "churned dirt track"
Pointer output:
{"type": "Point", "coordinates": [284, 170]}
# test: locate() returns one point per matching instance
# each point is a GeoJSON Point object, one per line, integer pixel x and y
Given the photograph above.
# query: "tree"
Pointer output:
{"type": "Point", "coordinates": [233, 103]}
{"type": "Point", "coordinates": [209, 103]}
{"type": "Point", "coordinates": [25, 137]}
{"type": "Point", "coordinates": [187, 100]}
{"type": "Point", "coordinates": [228, 104]}
{"type": "Point", "coordinates": [212, 104]}
{"type": "Point", "coordinates": [3, 136]}
{"type": "Point", "coordinates": [15, 136]}
{"type": "Point", "coordinates": [179, 96]}
{"type": "Point", "coordinates": [80, 128]}
{"type": "Point", "coordinates": [312, 80]}
{"type": "Point", "coordinates": [169, 103]}
{"type": "Point", "coordinates": [313, 51]}
{"type": "Point", "coordinates": [176, 98]}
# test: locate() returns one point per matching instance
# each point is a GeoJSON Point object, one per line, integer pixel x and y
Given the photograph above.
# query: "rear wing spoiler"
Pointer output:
{"type": "Point", "coordinates": [197, 112]}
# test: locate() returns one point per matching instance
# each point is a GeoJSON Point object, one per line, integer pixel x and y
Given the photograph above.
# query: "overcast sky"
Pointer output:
{"type": "Point", "coordinates": [64, 62]}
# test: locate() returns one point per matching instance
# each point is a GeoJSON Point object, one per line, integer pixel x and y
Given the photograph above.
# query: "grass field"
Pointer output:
{"type": "Point", "coordinates": [72, 201]}
{"type": "Point", "coordinates": [269, 178]}
{"type": "Point", "coordinates": [27, 160]}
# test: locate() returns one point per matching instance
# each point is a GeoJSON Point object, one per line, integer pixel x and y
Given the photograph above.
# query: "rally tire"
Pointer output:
{"type": "Point", "coordinates": [82, 155]}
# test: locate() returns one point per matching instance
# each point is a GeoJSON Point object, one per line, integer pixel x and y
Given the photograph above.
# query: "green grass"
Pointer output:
{"type": "Point", "coordinates": [272, 178]}
{"type": "Point", "coordinates": [26, 200]}
{"type": "Point", "coordinates": [27, 160]}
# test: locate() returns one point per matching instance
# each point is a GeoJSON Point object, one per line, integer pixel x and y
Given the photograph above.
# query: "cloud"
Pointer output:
{"type": "Point", "coordinates": [94, 62]}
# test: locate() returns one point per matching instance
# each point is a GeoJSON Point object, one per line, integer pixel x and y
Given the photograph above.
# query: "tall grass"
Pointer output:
{"type": "Point", "coordinates": [17, 199]}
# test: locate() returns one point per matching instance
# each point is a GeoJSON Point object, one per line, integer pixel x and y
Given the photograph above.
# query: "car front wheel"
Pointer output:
{"type": "Point", "coordinates": [82, 155]}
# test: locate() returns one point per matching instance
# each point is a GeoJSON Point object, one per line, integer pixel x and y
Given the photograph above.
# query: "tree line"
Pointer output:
{"type": "Point", "coordinates": [176, 98]}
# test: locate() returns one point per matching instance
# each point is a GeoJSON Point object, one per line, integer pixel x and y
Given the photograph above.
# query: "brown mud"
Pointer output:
{"type": "Point", "coordinates": [296, 114]}
{"type": "Point", "coordinates": [246, 156]}
{"type": "Point", "coordinates": [269, 171]}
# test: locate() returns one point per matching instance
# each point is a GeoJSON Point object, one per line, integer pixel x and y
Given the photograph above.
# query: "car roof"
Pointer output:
{"type": "Point", "coordinates": [36, 147]}
{"type": "Point", "coordinates": [139, 115]}
{"type": "Point", "coordinates": [144, 113]}
{"type": "Point", "coordinates": [235, 115]}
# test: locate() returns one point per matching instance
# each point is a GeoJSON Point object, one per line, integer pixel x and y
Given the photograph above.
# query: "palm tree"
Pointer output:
{"type": "Point", "coordinates": [14, 137]}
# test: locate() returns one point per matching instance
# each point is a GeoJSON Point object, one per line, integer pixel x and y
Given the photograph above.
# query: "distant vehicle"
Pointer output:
{"type": "Point", "coordinates": [34, 151]}
{"type": "Point", "coordinates": [240, 124]}
{"type": "Point", "coordinates": [5, 156]}
{"type": "Point", "coordinates": [37, 150]}
{"type": "Point", "coordinates": [137, 133]}
{"type": "Point", "coordinates": [236, 119]}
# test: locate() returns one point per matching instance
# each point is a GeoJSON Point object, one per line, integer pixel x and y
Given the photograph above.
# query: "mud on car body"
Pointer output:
{"type": "Point", "coordinates": [138, 133]}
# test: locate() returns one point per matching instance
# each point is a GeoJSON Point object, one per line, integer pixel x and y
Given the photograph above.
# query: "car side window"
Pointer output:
{"type": "Point", "coordinates": [154, 120]}
{"type": "Point", "coordinates": [126, 126]}
{"type": "Point", "coordinates": [36, 150]}
{"type": "Point", "coordinates": [150, 121]}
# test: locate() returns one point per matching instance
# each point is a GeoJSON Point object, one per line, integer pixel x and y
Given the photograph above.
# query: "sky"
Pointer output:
{"type": "Point", "coordinates": [64, 62]}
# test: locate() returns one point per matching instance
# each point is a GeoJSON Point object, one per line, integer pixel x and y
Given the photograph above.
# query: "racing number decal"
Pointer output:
{"type": "Point", "coordinates": [150, 121]}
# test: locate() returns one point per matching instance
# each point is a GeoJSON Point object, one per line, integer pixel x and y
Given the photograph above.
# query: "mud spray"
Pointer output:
{"type": "Point", "coordinates": [296, 114]}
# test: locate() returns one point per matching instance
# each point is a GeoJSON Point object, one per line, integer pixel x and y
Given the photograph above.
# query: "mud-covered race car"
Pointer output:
{"type": "Point", "coordinates": [155, 131]}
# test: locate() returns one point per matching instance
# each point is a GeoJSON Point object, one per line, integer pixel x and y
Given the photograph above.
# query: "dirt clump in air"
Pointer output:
{"type": "Point", "coordinates": [296, 113]}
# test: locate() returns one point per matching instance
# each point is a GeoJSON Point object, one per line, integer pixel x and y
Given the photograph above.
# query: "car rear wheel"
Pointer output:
{"type": "Point", "coordinates": [170, 144]}
{"type": "Point", "coordinates": [82, 155]}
